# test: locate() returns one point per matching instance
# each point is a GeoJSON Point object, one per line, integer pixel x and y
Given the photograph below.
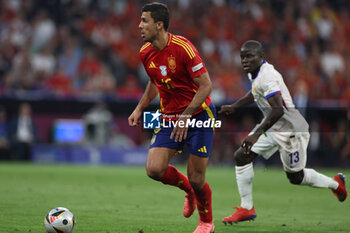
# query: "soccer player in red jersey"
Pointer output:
{"type": "Point", "coordinates": [179, 75]}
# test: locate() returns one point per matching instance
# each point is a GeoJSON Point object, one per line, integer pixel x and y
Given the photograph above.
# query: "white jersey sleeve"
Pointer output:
{"type": "Point", "coordinates": [267, 83]}
{"type": "Point", "coordinates": [270, 87]}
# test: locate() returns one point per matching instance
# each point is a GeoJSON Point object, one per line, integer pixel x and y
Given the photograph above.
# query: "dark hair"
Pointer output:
{"type": "Point", "coordinates": [254, 44]}
{"type": "Point", "coordinates": [159, 12]}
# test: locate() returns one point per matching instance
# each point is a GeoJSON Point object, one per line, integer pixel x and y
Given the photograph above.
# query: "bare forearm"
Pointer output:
{"type": "Point", "coordinates": [245, 100]}
{"type": "Point", "coordinates": [150, 93]}
{"type": "Point", "coordinates": [269, 121]}
{"type": "Point", "coordinates": [204, 90]}
{"type": "Point", "coordinates": [197, 101]}
{"type": "Point", "coordinates": [275, 114]}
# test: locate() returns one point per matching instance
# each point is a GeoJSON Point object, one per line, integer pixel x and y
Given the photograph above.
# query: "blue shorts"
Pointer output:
{"type": "Point", "coordinates": [199, 140]}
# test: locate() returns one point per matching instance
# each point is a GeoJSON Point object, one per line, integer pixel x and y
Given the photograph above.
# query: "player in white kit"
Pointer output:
{"type": "Point", "coordinates": [283, 128]}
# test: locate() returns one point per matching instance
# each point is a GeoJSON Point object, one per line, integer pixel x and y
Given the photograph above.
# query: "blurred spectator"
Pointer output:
{"type": "Point", "coordinates": [131, 89]}
{"type": "Point", "coordinates": [324, 20]}
{"type": "Point", "coordinates": [22, 62]}
{"type": "Point", "coordinates": [88, 68]}
{"type": "Point", "coordinates": [98, 123]}
{"type": "Point", "coordinates": [89, 65]}
{"type": "Point", "coordinates": [69, 59]}
{"type": "Point", "coordinates": [80, 49]}
{"type": "Point", "coordinates": [44, 61]}
{"type": "Point", "coordinates": [145, 139]}
{"type": "Point", "coordinates": [120, 140]}
{"type": "Point", "coordinates": [4, 144]}
{"type": "Point", "coordinates": [95, 34]}
{"type": "Point", "coordinates": [332, 61]}
{"type": "Point", "coordinates": [19, 30]}
{"type": "Point", "coordinates": [314, 148]}
{"type": "Point", "coordinates": [217, 95]}
{"type": "Point", "coordinates": [59, 83]}
{"type": "Point", "coordinates": [22, 133]}
{"type": "Point", "coordinates": [301, 97]}
{"type": "Point", "coordinates": [43, 30]}
{"type": "Point", "coordinates": [99, 83]}
{"type": "Point", "coordinates": [7, 53]}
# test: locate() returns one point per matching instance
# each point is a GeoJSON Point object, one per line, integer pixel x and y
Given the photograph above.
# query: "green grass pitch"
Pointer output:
{"type": "Point", "coordinates": [123, 199]}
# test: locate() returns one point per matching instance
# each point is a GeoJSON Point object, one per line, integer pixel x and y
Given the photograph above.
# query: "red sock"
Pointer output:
{"type": "Point", "coordinates": [204, 204]}
{"type": "Point", "coordinates": [175, 178]}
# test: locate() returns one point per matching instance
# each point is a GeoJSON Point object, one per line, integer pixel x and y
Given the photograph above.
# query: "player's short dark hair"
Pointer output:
{"type": "Point", "coordinates": [159, 12]}
{"type": "Point", "coordinates": [254, 44]}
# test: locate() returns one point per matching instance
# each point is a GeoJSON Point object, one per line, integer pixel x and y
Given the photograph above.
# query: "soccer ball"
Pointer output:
{"type": "Point", "coordinates": [59, 220]}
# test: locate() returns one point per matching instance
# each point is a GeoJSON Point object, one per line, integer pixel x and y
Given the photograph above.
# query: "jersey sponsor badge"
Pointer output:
{"type": "Point", "coordinates": [163, 70]}
{"type": "Point", "coordinates": [172, 64]}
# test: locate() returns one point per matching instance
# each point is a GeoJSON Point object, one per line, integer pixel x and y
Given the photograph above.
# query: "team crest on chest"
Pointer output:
{"type": "Point", "coordinates": [163, 70]}
{"type": "Point", "coordinates": [172, 63]}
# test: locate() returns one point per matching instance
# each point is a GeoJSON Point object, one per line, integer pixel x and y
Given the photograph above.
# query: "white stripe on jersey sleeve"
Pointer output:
{"type": "Point", "coordinates": [197, 67]}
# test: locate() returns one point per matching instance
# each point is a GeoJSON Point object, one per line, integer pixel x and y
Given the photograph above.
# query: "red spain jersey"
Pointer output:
{"type": "Point", "coordinates": [172, 69]}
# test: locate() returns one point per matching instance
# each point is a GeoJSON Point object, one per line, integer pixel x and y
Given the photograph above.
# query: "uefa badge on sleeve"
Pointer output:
{"type": "Point", "coordinates": [151, 120]}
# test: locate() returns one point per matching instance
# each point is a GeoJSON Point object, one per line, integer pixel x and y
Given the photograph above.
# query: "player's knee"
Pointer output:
{"type": "Point", "coordinates": [154, 172]}
{"type": "Point", "coordinates": [295, 178]}
{"type": "Point", "coordinates": [196, 181]}
{"type": "Point", "coordinates": [239, 158]}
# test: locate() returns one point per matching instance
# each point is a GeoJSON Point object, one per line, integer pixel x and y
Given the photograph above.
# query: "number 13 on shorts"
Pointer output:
{"type": "Point", "coordinates": [294, 158]}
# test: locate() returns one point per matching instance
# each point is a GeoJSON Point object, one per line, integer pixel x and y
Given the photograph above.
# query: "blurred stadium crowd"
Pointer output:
{"type": "Point", "coordinates": [82, 47]}
{"type": "Point", "coordinates": [79, 48]}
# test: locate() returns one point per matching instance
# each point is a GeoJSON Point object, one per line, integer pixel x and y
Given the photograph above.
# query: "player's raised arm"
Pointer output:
{"type": "Point", "coordinates": [150, 93]}
{"type": "Point", "coordinates": [204, 89]}
{"type": "Point", "coordinates": [245, 100]}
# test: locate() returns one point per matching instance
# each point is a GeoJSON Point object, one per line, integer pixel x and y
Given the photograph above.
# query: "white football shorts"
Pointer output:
{"type": "Point", "coordinates": [291, 146]}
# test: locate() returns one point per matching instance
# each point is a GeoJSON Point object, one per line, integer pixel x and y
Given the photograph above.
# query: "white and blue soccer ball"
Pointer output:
{"type": "Point", "coordinates": [59, 220]}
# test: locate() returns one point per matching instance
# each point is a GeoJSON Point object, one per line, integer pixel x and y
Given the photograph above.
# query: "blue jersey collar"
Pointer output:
{"type": "Point", "coordinates": [256, 75]}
